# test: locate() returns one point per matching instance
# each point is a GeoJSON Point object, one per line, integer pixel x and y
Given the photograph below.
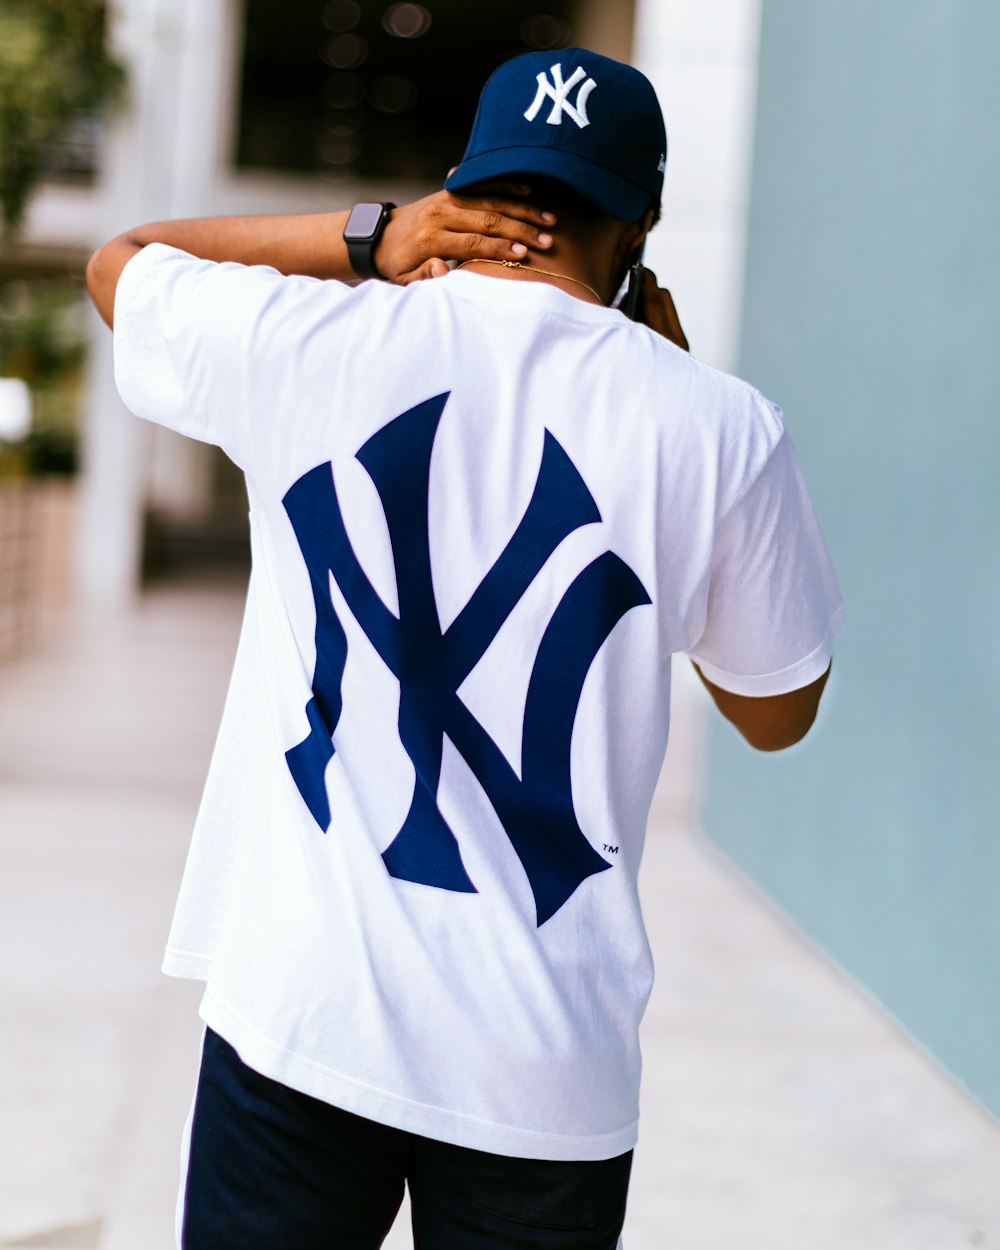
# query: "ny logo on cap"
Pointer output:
{"type": "Point", "coordinates": [557, 91]}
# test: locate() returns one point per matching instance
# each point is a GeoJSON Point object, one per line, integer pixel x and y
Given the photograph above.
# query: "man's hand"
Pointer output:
{"type": "Point", "coordinates": [420, 237]}
{"type": "Point", "coordinates": [656, 310]}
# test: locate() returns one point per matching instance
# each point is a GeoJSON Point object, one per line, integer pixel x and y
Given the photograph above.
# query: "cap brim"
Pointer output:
{"type": "Point", "coordinates": [609, 192]}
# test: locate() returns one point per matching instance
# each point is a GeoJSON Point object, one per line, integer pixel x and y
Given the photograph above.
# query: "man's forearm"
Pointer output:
{"type": "Point", "coordinates": [306, 243]}
{"type": "Point", "coordinates": [416, 242]}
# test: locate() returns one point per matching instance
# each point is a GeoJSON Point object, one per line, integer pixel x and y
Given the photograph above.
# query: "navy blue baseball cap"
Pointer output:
{"type": "Point", "coordinates": [575, 116]}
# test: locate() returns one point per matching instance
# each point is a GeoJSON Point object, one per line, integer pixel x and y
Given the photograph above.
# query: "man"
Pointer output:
{"type": "Point", "coordinates": [485, 510]}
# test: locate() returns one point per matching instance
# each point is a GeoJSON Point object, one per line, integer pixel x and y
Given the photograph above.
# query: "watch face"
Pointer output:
{"type": "Point", "coordinates": [363, 221]}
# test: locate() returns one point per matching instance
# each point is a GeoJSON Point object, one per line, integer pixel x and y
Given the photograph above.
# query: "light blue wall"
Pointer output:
{"type": "Point", "coordinates": [872, 315]}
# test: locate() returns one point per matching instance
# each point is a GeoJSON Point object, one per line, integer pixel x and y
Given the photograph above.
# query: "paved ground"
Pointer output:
{"type": "Point", "coordinates": [781, 1110]}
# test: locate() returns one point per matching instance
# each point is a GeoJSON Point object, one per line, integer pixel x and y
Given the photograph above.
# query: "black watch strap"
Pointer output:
{"type": "Point", "coordinates": [361, 234]}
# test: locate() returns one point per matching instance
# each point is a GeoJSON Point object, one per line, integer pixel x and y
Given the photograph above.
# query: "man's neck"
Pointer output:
{"type": "Point", "coordinates": [528, 271]}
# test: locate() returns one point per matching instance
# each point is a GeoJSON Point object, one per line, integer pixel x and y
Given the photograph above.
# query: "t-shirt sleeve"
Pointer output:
{"type": "Point", "coordinates": [774, 606]}
{"type": "Point", "coordinates": [193, 339]}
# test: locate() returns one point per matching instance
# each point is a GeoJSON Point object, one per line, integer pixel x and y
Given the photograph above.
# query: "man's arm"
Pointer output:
{"type": "Point", "coordinates": [768, 722]}
{"type": "Point", "coordinates": [416, 242]}
{"type": "Point", "coordinates": [772, 722]}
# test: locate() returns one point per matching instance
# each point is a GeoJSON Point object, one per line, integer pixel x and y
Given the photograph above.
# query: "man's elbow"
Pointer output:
{"type": "Point", "coordinates": [773, 738]}
{"type": "Point", "coordinates": [771, 722]}
{"type": "Point", "coordinates": [97, 287]}
{"type": "Point", "coordinates": [104, 269]}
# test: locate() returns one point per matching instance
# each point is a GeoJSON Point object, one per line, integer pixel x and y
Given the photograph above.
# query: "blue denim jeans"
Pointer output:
{"type": "Point", "coordinates": [272, 1169]}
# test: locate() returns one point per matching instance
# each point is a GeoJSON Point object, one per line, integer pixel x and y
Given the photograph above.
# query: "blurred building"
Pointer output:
{"type": "Point", "coordinates": [304, 105]}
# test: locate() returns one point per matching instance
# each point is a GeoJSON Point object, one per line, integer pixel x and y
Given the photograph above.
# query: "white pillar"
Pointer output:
{"type": "Point", "coordinates": [112, 489]}
{"type": "Point", "coordinates": [203, 69]}
{"type": "Point", "coordinates": [113, 482]}
{"type": "Point", "coordinates": [164, 155]}
{"type": "Point", "coordinates": [701, 56]}
{"type": "Point", "coordinates": [204, 102]}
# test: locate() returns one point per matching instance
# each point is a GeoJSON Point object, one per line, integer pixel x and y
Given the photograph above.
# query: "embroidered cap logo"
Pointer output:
{"type": "Point", "coordinates": [557, 91]}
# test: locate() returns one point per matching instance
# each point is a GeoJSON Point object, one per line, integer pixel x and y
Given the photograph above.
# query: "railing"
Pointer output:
{"type": "Point", "coordinates": [17, 566]}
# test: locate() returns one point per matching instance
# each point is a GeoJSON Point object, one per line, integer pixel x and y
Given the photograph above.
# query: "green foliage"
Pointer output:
{"type": "Point", "coordinates": [43, 341]}
{"type": "Point", "coordinates": [53, 63]}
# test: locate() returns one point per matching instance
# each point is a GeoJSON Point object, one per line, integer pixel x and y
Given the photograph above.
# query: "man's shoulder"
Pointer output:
{"type": "Point", "coordinates": [713, 397]}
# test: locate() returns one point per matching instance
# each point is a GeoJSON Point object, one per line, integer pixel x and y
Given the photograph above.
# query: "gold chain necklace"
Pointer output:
{"type": "Point", "coordinates": [516, 264]}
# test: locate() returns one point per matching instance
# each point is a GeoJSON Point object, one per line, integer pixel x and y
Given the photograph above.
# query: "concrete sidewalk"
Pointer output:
{"type": "Point", "coordinates": [781, 1110]}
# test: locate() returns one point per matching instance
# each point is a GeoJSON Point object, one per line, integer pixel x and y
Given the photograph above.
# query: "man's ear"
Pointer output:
{"type": "Point", "coordinates": [630, 243]}
{"type": "Point", "coordinates": [641, 228]}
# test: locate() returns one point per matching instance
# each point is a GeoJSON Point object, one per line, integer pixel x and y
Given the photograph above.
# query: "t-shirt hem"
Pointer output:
{"type": "Point", "coordinates": [311, 1078]}
{"type": "Point", "coordinates": [186, 964]}
{"type": "Point", "coordinates": [785, 680]}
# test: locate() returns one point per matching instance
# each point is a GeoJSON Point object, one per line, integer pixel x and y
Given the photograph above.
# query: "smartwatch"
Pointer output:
{"type": "Point", "coordinates": [362, 232]}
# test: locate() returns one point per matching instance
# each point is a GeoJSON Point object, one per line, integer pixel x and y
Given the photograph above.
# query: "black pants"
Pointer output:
{"type": "Point", "coordinates": [272, 1169]}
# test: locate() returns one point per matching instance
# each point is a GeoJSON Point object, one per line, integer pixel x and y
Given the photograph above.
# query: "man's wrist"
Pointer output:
{"type": "Point", "coordinates": [362, 234]}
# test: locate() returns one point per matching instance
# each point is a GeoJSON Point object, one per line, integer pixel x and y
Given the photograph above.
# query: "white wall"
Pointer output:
{"type": "Point", "coordinates": [701, 56]}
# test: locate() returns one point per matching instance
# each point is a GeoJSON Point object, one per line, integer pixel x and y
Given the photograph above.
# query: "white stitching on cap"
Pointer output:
{"type": "Point", "coordinates": [558, 91]}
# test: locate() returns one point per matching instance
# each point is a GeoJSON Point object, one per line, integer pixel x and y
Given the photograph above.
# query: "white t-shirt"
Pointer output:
{"type": "Point", "coordinates": [484, 514]}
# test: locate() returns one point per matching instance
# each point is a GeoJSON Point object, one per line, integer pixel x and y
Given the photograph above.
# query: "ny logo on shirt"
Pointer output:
{"type": "Point", "coordinates": [535, 809]}
{"type": "Point", "coordinates": [557, 91]}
